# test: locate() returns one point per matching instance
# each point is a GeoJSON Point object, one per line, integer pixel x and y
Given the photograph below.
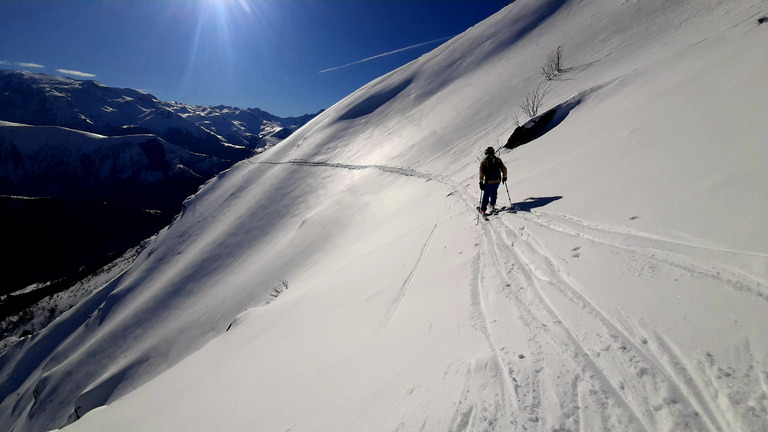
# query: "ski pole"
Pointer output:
{"type": "Point", "coordinates": [508, 196]}
{"type": "Point", "coordinates": [477, 221]}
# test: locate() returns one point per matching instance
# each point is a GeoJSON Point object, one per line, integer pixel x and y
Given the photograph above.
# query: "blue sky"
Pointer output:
{"type": "Point", "coordinates": [278, 55]}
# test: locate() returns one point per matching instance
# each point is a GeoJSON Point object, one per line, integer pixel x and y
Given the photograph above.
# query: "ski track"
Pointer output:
{"type": "Point", "coordinates": [638, 235]}
{"type": "Point", "coordinates": [659, 250]}
{"type": "Point", "coordinates": [386, 168]}
{"type": "Point", "coordinates": [395, 304]}
{"type": "Point", "coordinates": [566, 340]}
{"type": "Point", "coordinates": [482, 325]}
{"type": "Point", "coordinates": [606, 378]}
{"type": "Point", "coordinates": [650, 370]}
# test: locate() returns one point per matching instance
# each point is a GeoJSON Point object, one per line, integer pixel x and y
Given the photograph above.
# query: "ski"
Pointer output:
{"type": "Point", "coordinates": [482, 213]}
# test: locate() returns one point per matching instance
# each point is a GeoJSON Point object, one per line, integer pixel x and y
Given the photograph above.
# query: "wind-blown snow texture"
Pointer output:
{"type": "Point", "coordinates": [630, 293]}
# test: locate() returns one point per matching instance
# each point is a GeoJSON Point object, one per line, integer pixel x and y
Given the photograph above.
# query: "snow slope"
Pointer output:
{"type": "Point", "coordinates": [629, 292]}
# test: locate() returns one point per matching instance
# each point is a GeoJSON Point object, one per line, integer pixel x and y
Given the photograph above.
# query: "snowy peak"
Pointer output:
{"type": "Point", "coordinates": [61, 162]}
{"type": "Point", "coordinates": [39, 99]}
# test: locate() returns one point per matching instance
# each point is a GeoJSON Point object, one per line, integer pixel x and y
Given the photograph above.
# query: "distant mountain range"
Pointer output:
{"type": "Point", "coordinates": [87, 171]}
{"type": "Point", "coordinates": [224, 132]}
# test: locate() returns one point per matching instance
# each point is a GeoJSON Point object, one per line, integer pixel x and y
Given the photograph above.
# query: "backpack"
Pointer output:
{"type": "Point", "coordinates": [491, 167]}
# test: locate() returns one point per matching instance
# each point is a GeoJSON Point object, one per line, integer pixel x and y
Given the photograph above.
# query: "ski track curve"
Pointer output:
{"type": "Point", "coordinates": [597, 362]}
{"type": "Point", "coordinates": [659, 250]}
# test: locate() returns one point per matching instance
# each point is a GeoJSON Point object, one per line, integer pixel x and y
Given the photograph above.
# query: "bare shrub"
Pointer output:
{"type": "Point", "coordinates": [554, 65]}
{"type": "Point", "coordinates": [279, 289]}
{"type": "Point", "coordinates": [533, 100]}
{"type": "Point", "coordinates": [516, 119]}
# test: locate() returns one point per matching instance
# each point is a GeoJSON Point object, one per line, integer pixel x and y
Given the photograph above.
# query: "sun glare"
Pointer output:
{"type": "Point", "coordinates": [223, 32]}
{"type": "Point", "coordinates": [220, 21]}
{"type": "Point", "coordinates": [231, 5]}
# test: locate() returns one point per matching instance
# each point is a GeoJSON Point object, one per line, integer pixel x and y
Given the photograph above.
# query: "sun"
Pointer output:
{"type": "Point", "coordinates": [220, 20]}
{"type": "Point", "coordinates": [229, 6]}
{"type": "Point", "coordinates": [221, 29]}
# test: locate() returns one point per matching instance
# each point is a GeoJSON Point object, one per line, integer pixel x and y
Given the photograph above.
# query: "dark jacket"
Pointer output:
{"type": "Point", "coordinates": [492, 170]}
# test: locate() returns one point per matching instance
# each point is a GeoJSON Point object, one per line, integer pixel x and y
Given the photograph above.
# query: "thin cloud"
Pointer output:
{"type": "Point", "coordinates": [31, 65]}
{"type": "Point", "coordinates": [75, 73]}
{"type": "Point", "coordinates": [386, 54]}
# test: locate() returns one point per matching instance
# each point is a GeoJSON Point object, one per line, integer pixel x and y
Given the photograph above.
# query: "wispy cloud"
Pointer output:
{"type": "Point", "coordinates": [386, 54]}
{"type": "Point", "coordinates": [31, 65]}
{"type": "Point", "coordinates": [75, 73]}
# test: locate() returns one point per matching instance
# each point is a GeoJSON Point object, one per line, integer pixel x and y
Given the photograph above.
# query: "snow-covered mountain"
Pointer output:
{"type": "Point", "coordinates": [56, 161]}
{"type": "Point", "coordinates": [342, 280]}
{"type": "Point", "coordinates": [76, 143]}
{"type": "Point", "coordinates": [224, 132]}
{"type": "Point", "coordinates": [67, 194]}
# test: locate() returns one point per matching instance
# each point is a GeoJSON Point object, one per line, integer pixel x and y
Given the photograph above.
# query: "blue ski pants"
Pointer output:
{"type": "Point", "coordinates": [490, 192]}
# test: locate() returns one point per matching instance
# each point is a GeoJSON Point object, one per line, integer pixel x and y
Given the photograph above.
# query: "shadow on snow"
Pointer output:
{"type": "Point", "coordinates": [531, 203]}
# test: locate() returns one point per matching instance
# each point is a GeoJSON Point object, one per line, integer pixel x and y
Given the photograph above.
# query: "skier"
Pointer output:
{"type": "Point", "coordinates": [492, 173]}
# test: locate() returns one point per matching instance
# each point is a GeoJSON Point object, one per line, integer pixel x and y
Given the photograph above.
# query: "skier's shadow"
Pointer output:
{"type": "Point", "coordinates": [530, 204]}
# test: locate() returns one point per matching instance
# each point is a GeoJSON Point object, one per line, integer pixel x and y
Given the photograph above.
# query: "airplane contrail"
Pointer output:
{"type": "Point", "coordinates": [385, 54]}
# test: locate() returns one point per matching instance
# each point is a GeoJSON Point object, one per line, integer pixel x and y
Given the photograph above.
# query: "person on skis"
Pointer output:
{"type": "Point", "coordinates": [492, 173]}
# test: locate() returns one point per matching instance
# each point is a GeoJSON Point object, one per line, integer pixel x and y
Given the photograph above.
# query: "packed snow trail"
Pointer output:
{"type": "Point", "coordinates": [385, 168]}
